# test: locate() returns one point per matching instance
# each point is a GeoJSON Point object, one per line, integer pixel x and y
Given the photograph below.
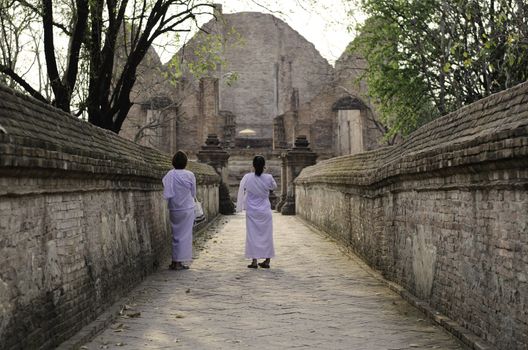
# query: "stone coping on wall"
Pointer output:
{"type": "Point", "coordinates": [38, 139]}
{"type": "Point", "coordinates": [492, 129]}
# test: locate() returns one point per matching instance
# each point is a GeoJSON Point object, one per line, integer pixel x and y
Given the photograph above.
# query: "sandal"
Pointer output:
{"type": "Point", "coordinates": [178, 266]}
{"type": "Point", "coordinates": [264, 265]}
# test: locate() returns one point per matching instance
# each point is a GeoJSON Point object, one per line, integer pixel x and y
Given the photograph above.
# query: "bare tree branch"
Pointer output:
{"type": "Point", "coordinates": [9, 72]}
{"type": "Point", "coordinates": [62, 97]}
{"type": "Point", "coordinates": [36, 10]}
{"type": "Point", "coordinates": [75, 44]}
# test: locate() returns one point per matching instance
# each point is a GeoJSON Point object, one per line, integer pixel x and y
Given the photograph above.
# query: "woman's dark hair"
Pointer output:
{"type": "Point", "coordinates": [258, 164]}
{"type": "Point", "coordinates": [179, 161]}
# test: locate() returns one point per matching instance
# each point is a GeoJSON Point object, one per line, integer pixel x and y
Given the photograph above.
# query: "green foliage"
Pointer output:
{"type": "Point", "coordinates": [430, 57]}
{"type": "Point", "coordinates": [207, 56]}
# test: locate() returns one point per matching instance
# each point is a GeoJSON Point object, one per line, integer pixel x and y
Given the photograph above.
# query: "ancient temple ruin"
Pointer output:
{"type": "Point", "coordinates": [283, 88]}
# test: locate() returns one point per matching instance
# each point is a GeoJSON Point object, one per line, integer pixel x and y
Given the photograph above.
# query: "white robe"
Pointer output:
{"type": "Point", "coordinates": [253, 196]}
{"type": "Point", "coordinates": [179, 188]}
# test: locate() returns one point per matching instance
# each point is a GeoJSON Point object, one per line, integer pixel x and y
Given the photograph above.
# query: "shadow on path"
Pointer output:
{"type": "Point", "coordinates": [313, 297]}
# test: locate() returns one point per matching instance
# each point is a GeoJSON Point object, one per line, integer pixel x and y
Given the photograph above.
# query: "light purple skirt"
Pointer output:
{"type": "Point", "coordinates": [259, 234]}
{"type": "Point", "coordinates": [182, 225]}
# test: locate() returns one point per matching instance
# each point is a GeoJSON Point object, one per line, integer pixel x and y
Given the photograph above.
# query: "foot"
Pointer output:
{"type": "Point", "coordinates": [176, 265]}
{"type": "Point", "coordinates": [264, 264]}
{"type": "Point", "coordinates": [253, 264]}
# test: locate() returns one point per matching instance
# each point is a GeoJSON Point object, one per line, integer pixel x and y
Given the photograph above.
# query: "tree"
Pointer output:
{"type": "Point", "coordinates": [96, 30]}
{"type": "Point", "coordinates": [427, 58]}
{"type": "Point", "coordinates": [17, 36]}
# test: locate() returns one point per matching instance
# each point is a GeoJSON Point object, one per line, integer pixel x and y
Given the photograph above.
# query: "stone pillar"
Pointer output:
{"type": "Point", "coordinates": [279, 134]}
{"type": "Point", "coordinates": [284, 182]}
{"type": "Point", "coordinates": [297, 159]}
{"type": "Point", "coordinates": [208, 107]}
{"type": "Point", "coordinates": [212, 154]}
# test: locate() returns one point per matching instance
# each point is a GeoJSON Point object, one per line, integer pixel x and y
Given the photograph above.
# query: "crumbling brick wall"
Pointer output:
{"type": "Point", "coordinates": [444, 214]}
{"type": "Point", "coordinates": [82, 220]}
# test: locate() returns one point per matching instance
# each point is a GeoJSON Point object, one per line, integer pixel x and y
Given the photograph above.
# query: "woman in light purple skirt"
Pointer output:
{"type": "Point", "coordinates": [253, 196]}
{"type": "Point", "coordinates": [179, 188]}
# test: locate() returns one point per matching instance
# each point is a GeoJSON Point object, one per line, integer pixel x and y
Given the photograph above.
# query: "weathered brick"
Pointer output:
{"type": "Point", "coordinates": [454, 234]}
{"type": "Point", "coordinates": [60, 267]}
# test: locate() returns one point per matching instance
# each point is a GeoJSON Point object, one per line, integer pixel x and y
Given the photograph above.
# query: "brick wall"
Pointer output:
{"type": "Point", "coordinates": [82, 220]}
{"type": "Point", "coordinates": [444, 214]}
{"type": "Point", "coordinates": [318, 119]}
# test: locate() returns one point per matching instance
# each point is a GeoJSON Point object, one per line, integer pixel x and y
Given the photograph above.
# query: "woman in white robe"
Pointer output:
{"type": "Point", "coordinates": [253, 196]}
{"type": "Point", "coordinates": [179, 188]}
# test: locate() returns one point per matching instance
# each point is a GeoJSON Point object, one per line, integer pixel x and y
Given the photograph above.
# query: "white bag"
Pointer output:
{"type": "Point", "coordinates": [198, 211]}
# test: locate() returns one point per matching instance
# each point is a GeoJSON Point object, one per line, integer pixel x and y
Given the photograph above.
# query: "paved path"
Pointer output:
{"type": "Point", "coordinates": [313, 297]}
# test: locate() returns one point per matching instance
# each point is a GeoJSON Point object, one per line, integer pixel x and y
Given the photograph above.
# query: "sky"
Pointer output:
{"type": "Point", "coordinates": [325, 23]}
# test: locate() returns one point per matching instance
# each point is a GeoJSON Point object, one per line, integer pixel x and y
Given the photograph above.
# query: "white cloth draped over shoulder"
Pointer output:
{"type": "Point", "coordinates": [179, 188]}
{"type": "Point", "coordinates": [253, 197]}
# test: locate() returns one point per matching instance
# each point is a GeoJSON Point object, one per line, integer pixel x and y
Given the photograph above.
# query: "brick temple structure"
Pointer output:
{"type": "Point", "coordinates": [284, 88]}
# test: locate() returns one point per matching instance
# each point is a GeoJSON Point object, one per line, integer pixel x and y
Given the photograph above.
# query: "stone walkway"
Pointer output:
{"type": "Point", "coordinates": [313, 297]}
